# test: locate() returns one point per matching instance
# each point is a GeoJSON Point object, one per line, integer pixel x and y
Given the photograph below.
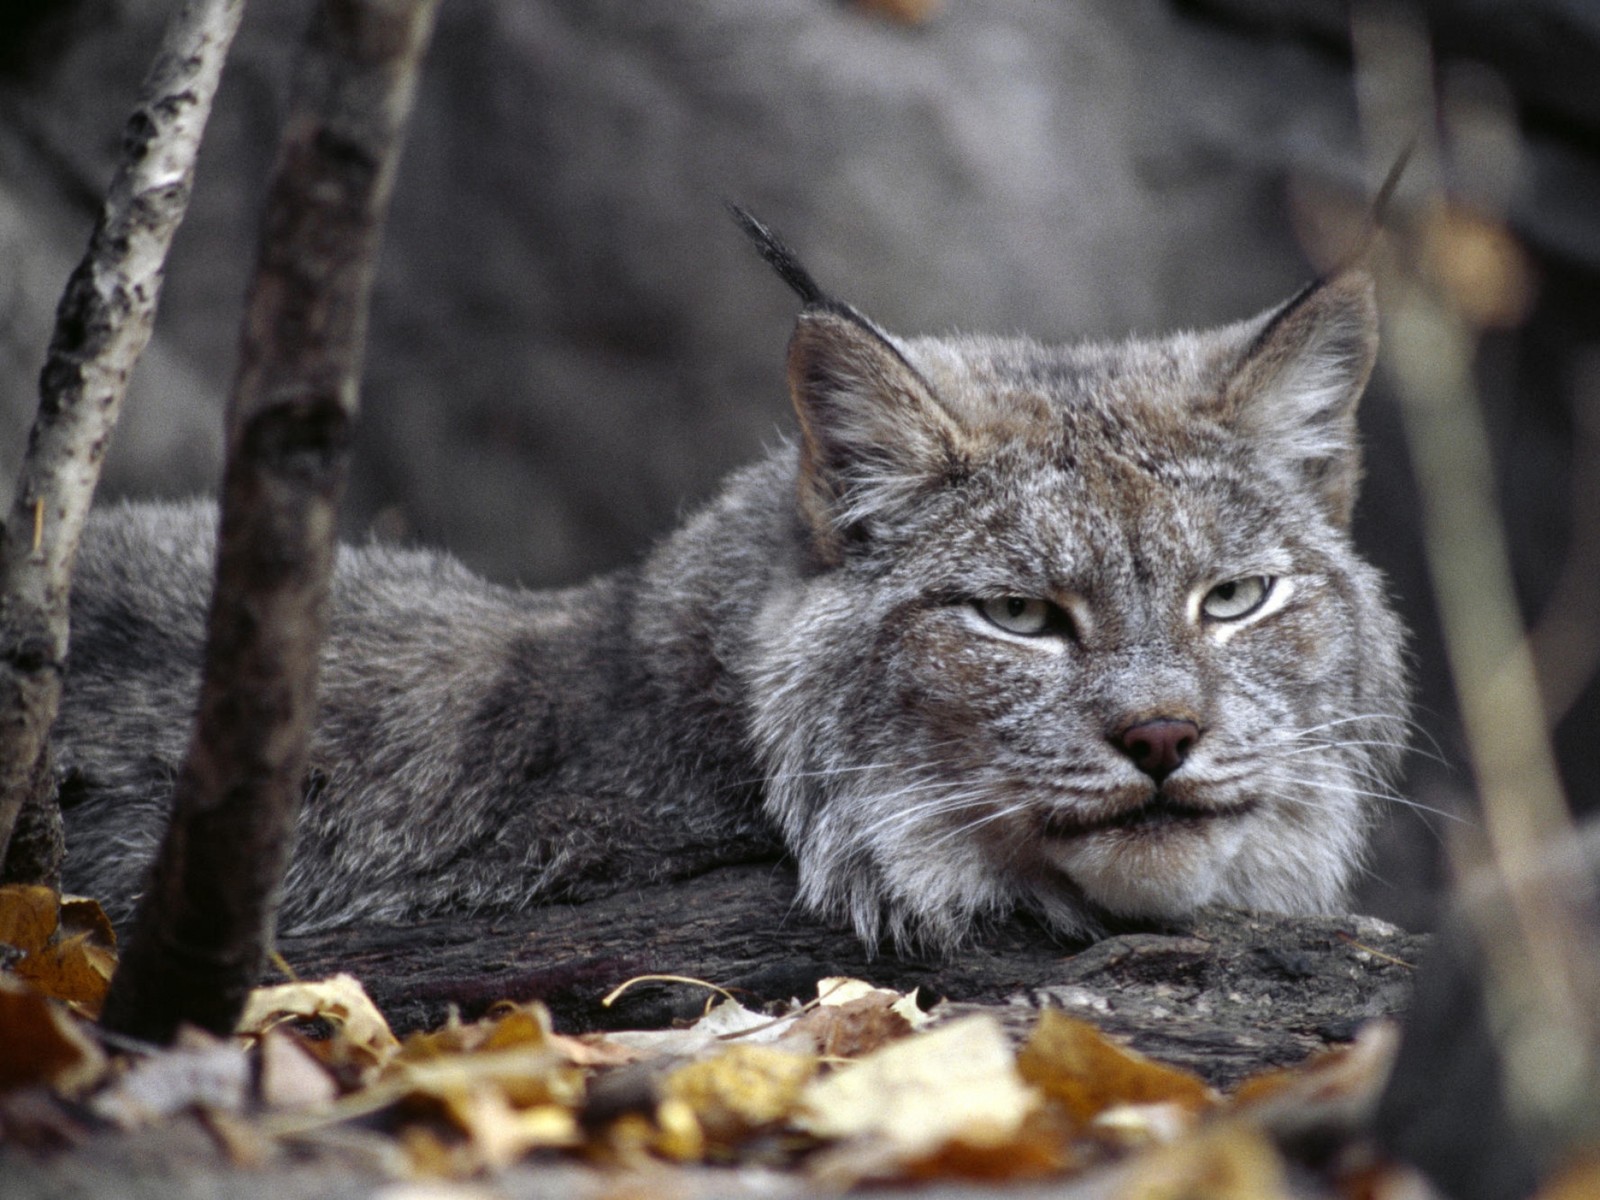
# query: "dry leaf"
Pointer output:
{"type": "Point", "coordinates": [740, 1091]}
{"type": "Point", "coordinates": [68, 947]}
{"type": "Point", "coordinates": [524, 1075]}
{"type": "Point", "coordinates": [856, 1028]}
{"type": "Point", "coordinates": [361, 1040]}
{"type": "Point", "coordinates": [79, 914]}
{"type": "Point", "coordinates": [1340, 1086]}
{"type": "Point", "coordinates": [512, 1025]}
{"type": "Point", "coordinates": [43, 1042]}
{"type": "Point", "coordinates": [1223, 1162]}
{"type": "Point", "coordinates": [594, 1050]}
{"type": "Point", "coordinates": [291, 1079]}
{"type": "Point", "coordinates": [1081, 1069]}
{"type": "Point", "coordinates": [729, 1018]}
{"type": "Point", "coordinates": [678, 1134]}
{"type": "Point", "coordinates": [197, 1070]}
{"type": "Point", "coordinates": [919, 1096]}
{"type": "Point", "coordinates": [499, 1132]}
{"type": "Point", "coordinates": [1135, 1126]}
{"type": "Point", "coordinates": [28, 916]}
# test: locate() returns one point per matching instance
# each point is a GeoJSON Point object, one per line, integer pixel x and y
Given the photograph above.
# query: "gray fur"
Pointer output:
{"type": "Point", "coordinates": [801, 665]}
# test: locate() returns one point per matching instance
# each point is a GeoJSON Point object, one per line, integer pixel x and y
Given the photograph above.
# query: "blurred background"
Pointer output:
{"type": "Point", "coordinates": [571, 343]}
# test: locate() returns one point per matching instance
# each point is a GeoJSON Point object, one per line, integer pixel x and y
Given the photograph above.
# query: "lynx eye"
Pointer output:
{"type": "Point", "coordinates": [1023, 615]}
{"type": "Point", "coordinates": [1237, 598]}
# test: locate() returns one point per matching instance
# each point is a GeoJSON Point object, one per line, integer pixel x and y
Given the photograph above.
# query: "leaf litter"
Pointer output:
{"type": "Point", "coordinates": [857, 1086]}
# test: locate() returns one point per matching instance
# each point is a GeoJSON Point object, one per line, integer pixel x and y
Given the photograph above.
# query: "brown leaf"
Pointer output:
{"type": "Point", "coordinates": [43, 1043]}
{"type": "Point", "coordinates": [1345, 1079]}
{"type": "Point", "coordinates": [1081, 1069]}
{"type": "Point", "coordinates": [76, 970]}
{"type": "Point", "coordinates": [68, 947]}
{"type": "Point", "coordinates": [79, 914]}
{"type": "Point", "coordinates": [29, 914]}
{"type": "Point", "coordinates": [856, 1027]}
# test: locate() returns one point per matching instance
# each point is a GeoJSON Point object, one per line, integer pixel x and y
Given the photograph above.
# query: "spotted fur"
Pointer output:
{"type": "Point", "coordinates": [807, 665]}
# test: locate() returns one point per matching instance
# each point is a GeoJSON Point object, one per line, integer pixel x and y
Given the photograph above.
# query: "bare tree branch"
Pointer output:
{"type": "Point", "coordinates": [102, 325]}
{"type": "Point", "coordinates": [202, 933]}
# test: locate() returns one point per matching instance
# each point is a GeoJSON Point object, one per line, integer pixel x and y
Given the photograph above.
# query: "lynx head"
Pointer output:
{"type": "Point", "coordinates": [1076, 628]}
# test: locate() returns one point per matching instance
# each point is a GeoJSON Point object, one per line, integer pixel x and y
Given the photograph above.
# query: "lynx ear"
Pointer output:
{"type": "Point", "coordinates": [872, 433]}
{"type": "Point", "coordinates": [1297, 383]}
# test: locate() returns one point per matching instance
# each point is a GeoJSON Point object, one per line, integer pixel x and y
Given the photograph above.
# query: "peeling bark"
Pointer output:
{"type": "Point", "coordinates": [102, 325]}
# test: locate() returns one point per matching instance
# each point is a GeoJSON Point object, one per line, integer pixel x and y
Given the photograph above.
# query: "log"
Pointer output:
{"type": "Point", "coordinates": [1226, 995]}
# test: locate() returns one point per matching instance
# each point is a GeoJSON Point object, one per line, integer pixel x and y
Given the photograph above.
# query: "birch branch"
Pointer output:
{"type": "Point", "coordinates": [205, 925]}
{"type": "Point", "coordinates": [102, 325]}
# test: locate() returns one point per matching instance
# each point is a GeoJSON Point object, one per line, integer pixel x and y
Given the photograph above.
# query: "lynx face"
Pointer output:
{"type": "Point", "coordinates": [1079, 629]}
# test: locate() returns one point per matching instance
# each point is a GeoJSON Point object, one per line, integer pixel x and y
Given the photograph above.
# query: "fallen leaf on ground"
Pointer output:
{"type": "Point", "coordinates": [948, 1096]}
{"type": "Point", "coordinates": [197, 1070]}
{"type": "Point", "coordinates": [1085, 1072]}
{"type": "Point", "coordinates": [361, 1038]}
{"type": "Point", "coordinates": [290, 1079]}
{"type": "Point", "coordinates": [1351, 1075]}
{"type": "Point", "coordinates": [740, 1091]}
{"type": "Point", "coordinates": [28, 916]}
{"type": "Point", "coordinates": [1224, 1162]}
{"type": "Point", "coordinates": [853, 1018]}
{"type": "Point", "coordinates": [43, 1043]}
{"type": "Point", "coordinates": [67, 944]}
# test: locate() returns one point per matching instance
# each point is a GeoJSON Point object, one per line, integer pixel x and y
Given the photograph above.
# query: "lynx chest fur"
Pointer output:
{"type": "Point", "coordinates": [1074, 629]}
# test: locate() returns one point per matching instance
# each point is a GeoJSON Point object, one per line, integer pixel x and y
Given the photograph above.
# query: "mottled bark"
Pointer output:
{"type": "Point", "coordinates": [202, 933]}
{"type": "Point", "coordinates": [102, 325]}
{"type": "Point", "coordinates": [1227, 994]}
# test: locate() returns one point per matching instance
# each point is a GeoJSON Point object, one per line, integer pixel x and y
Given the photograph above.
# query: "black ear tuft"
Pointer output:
{"type": "Point", "coordinates": [780, 258]}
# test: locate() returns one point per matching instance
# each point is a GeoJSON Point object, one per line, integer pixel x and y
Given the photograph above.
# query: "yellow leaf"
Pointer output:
{"type": "Point", "coordinates": [678, 1134]}
{"type": "Point", "coordinates": [42, 1042]}
{"type": "Point", "coordinates": [360, 1031]}
{"type": "Point", "coordinates": [513, 1025]}
{"type": "Point", "coordinates": [743, 1089]}
{"type": "Point", "coordinates": [1222, 1162]}
{"type": "Point", "coordinates": [75, 970]}
{"type": "Point", "coordinates": [524, 1075]}
{"type": "Point", "coordinates": [958, 1083]}
{"type": "Point", "coordinates": [1076, 1065]}
{"type": "Point", "coordinates": [69, 949]}
{"type": "Point", "coordinates": [79, 914]}
{"type": "Point", "coordinates": [1134, 1126]}
{"type": "Point", "coordinates": [499, 1133]}
{"type": "Point", "coordinates": [523, 1025]}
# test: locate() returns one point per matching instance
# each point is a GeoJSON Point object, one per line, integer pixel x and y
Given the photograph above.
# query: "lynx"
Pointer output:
{"type": "Point", "coordinates": [1078, 630]}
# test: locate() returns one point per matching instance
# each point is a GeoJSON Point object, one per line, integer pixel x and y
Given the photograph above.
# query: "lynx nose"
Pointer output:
{"type": "Point", "coordinates": [1158, 747]}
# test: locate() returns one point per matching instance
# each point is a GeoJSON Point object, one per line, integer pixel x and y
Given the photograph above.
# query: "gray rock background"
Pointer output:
{"type": "Point", "coordinates": [571, 344]}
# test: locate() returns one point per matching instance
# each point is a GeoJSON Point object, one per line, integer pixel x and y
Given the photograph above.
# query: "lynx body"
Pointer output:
{"type": "Point", "coordinates": [1076, 629]}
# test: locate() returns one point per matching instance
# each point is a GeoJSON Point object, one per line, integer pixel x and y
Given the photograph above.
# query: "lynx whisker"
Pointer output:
{"type": "Point", "coordinates": [1386, 797]}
